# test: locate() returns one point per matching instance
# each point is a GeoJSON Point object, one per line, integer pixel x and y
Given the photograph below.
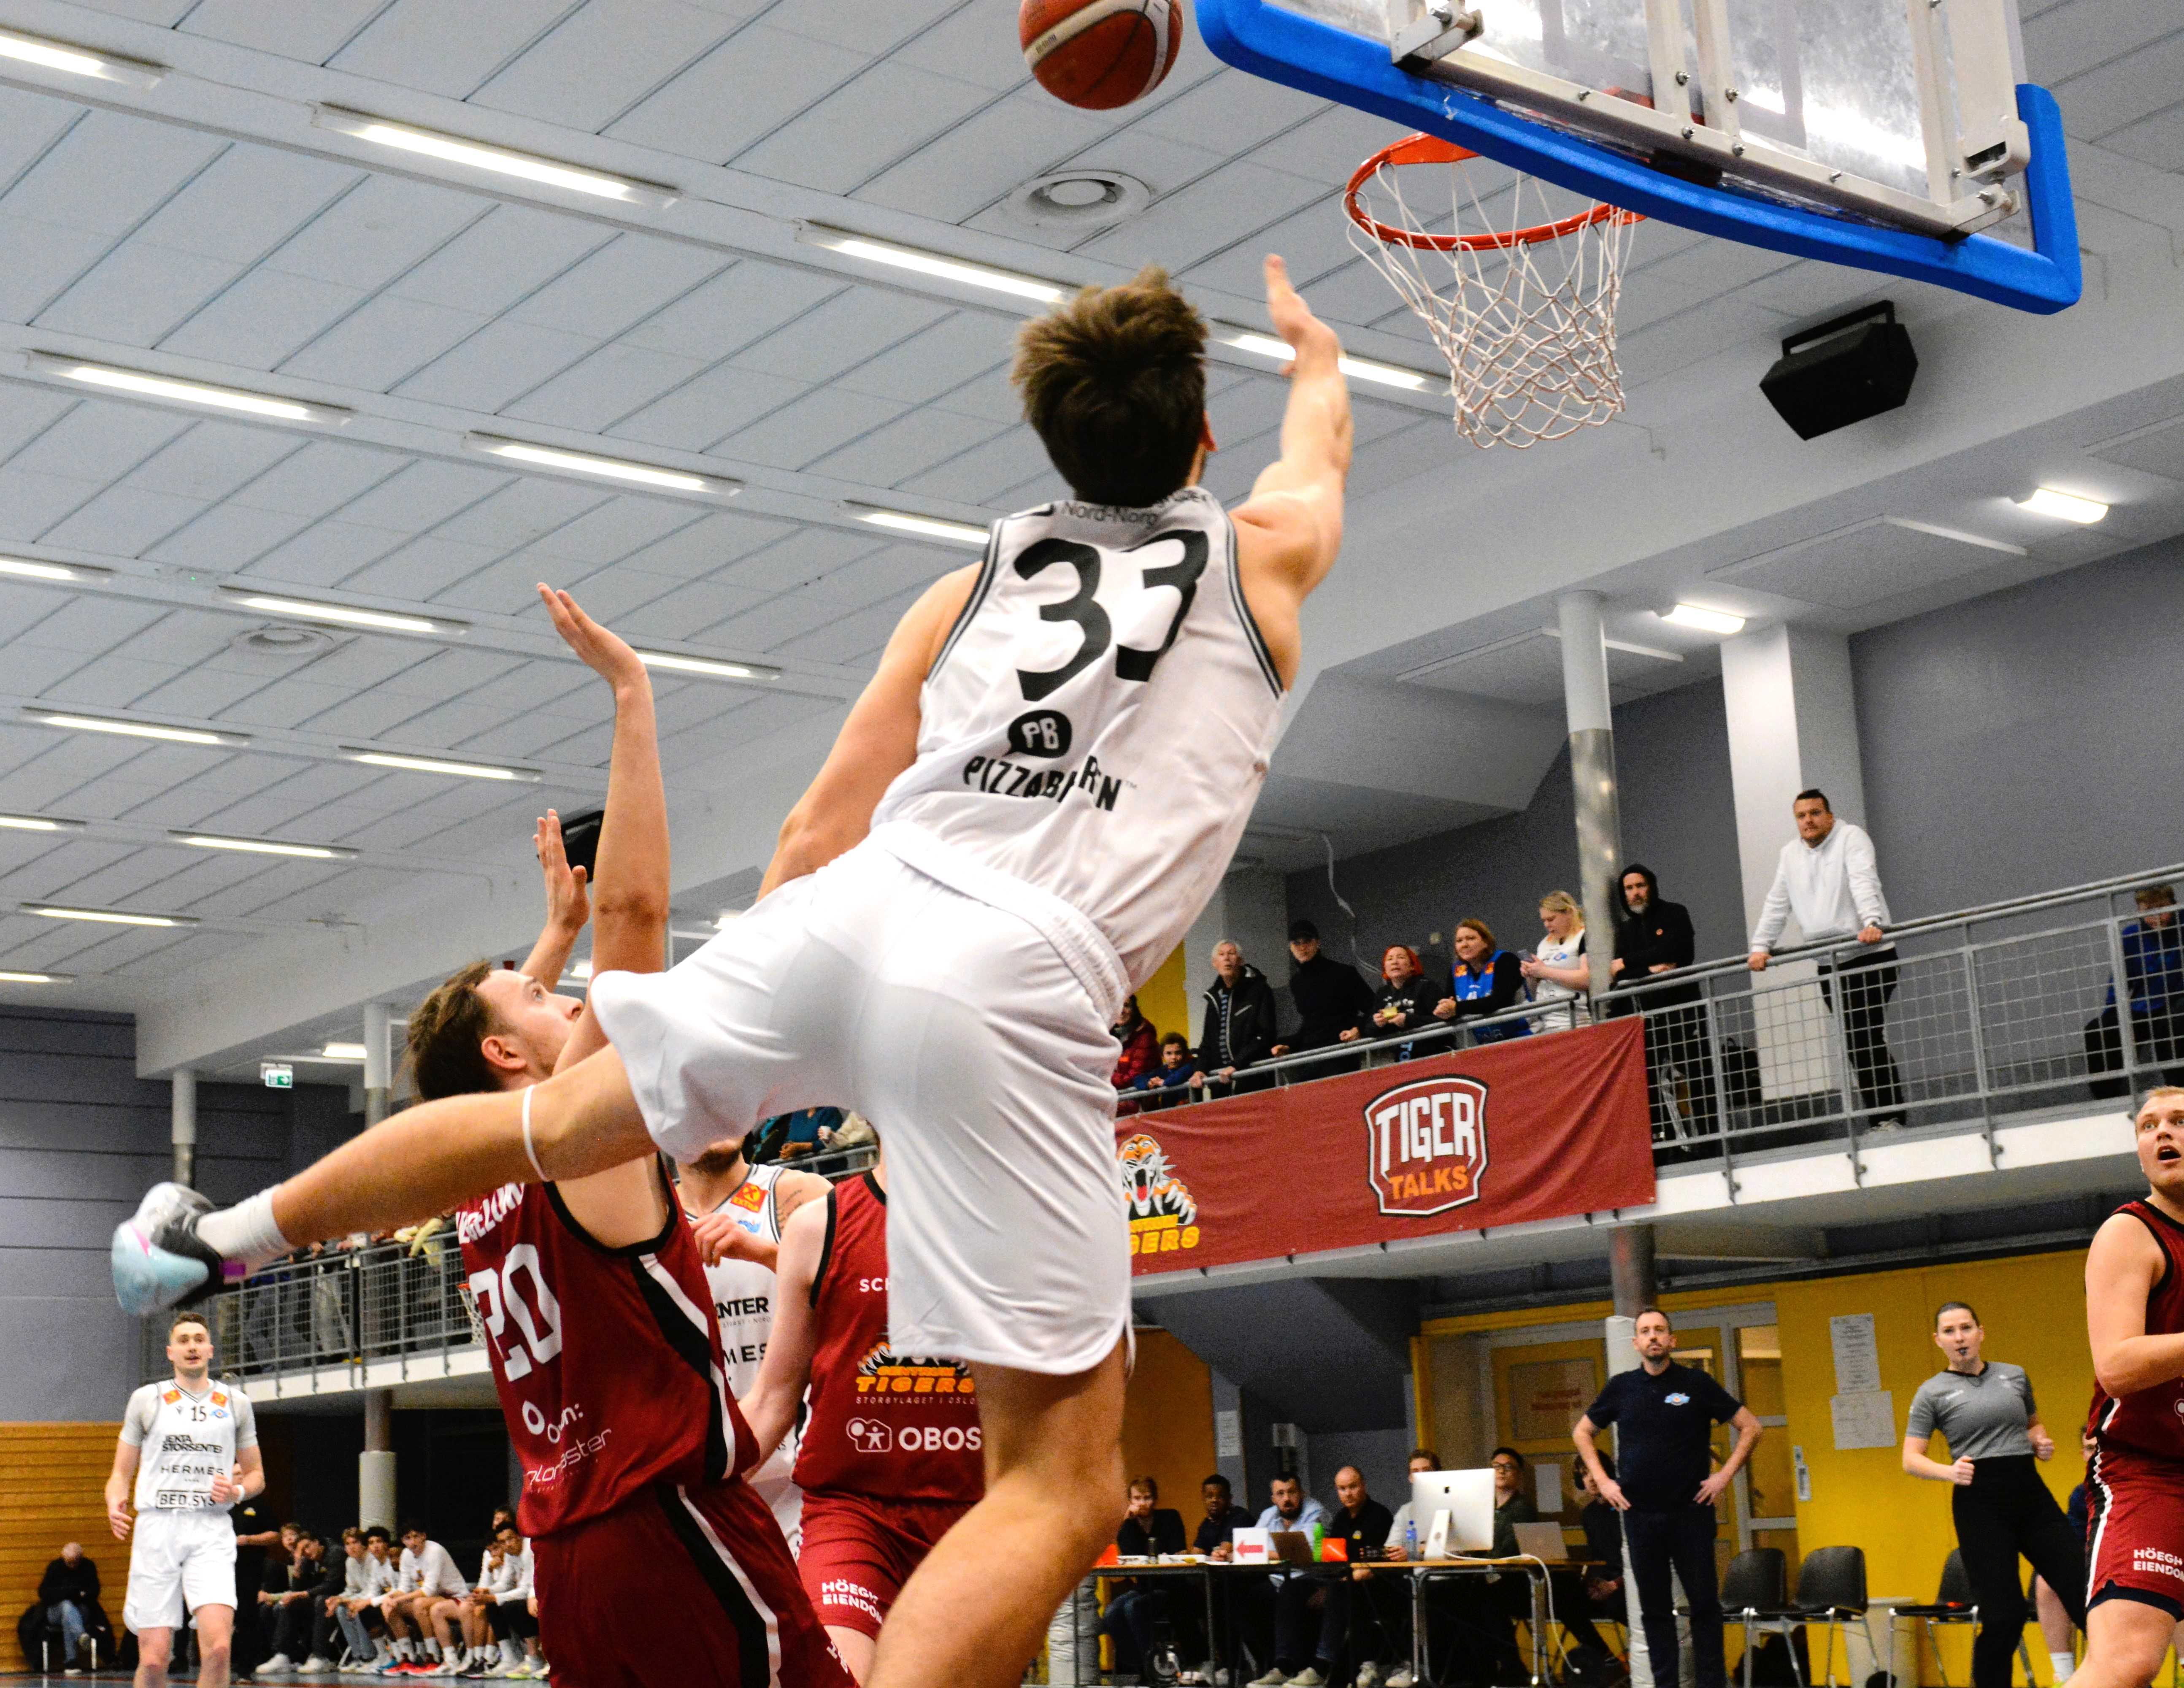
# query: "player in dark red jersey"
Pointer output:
{"type": "Point", "coordinates": [2135, 1481]}
{"type": "Point", "coordinates": [891, 1454]}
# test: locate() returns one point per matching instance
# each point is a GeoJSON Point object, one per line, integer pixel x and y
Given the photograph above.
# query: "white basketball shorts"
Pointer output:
{"type": "Point", "coordinates": [178, 1561]}
{"type": "Point", "coordinates": [972, 1031]}
{"type": "Point", "coordinates": [773, 1481]}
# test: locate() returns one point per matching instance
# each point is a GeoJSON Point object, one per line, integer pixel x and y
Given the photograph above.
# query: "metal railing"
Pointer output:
{"type": "Point", "coordinates": [1955, 1022]}
{"type": "Point", "coordinates": [2071, 996]}
{"type": "Point", "coordinates": [402, 1307]}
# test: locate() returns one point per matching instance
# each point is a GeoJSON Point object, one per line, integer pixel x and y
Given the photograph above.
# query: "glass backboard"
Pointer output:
{"type": "Point", "coordinates": [1887, 134]}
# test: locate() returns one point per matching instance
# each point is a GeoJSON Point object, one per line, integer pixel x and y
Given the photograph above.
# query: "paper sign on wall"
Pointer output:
{"type": "Point", "coordinates": [1858, 1354]}
{"type": "Point", "coordinates": [1864, 1419]}
{"type": "Point", "coordinates": [1229, 1435]}
{"type": "Point", "coordinates": [1547, 1488]}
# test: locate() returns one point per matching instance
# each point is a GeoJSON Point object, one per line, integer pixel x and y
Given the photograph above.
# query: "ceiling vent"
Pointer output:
{"type": "Point", "coordinates": [1075, 200]}
{"type": "Point", "coordinates": [283, 642]}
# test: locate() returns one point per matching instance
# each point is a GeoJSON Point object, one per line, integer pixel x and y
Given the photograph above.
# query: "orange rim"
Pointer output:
{"type": "Point", "coordinates": [1431, 149]}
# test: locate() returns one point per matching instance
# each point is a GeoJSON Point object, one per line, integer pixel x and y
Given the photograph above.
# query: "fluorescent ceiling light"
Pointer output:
{"type": "Point", "coordinates": [341, 1052]}
{"type": "Point", "coordinates": [339, 615]}
{"type": "Point", "coordinates": [8, 976]}
{"type": "Point", "coordinates": [26, 569]}
{"type": "Point", "coordinates": [932, 263]}
{"type": "Point", "coordinates": [437, 765]}
{"type": "Point", "coordinates": [175, 391]}
{"type": "Point", "coordinates": [38, 823]}
{"type": "Point", "coordinates": [499, 160]}
{"type": "Point", "coordinates": [2064, 506]}
{"type": "Point", "coordinates": [612, 468]}
{"type": "Point", "coordinates": [107, 917]}
{"type": "Point", "coordinates": [706, 664]}
{"type": "Point", "coordinates": [264, 846]}
{"type": "Point", "coordinates": [924, 526]}
{"type": "Point", "coordinates": [1706, 621]}
{"type": "Point", "coordinates": [1357, 369]}
{"type": "Point", "coordinates": [77, 61]}
{"type": "Point", "coordinates": [136, 729]}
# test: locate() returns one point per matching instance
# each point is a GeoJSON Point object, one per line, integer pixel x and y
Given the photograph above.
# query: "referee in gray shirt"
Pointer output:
{"type": "Point", "coordinates": [1985, 1411]}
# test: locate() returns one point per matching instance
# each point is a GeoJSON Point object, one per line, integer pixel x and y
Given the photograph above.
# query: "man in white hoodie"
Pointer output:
{"type": "Point", "coordinates": [1829, 879]}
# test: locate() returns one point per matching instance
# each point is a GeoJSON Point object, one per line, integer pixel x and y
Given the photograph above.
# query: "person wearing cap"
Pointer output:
{"type": "Point", "coordinates": [1331, 998]}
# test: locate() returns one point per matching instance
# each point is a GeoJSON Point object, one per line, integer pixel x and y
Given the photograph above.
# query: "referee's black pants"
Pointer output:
{"type": "Point", "coordinates": [2004, 1512]}
{"type": "Point", "coordinates": [1681, 1539]}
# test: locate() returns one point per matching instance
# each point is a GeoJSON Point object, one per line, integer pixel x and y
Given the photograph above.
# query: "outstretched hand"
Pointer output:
{"type": "Point", "coordinates": [1305, 335]}
{"type": "Point", "coordinates": [603, 653]}
{"type": "Point", "coordinates": [568, 899]}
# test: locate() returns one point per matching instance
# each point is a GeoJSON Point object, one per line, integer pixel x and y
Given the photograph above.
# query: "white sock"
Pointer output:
{"type": "Point", "coordinates": [2064, 1663]}
{"type": "Point", "coordinates": [508, 1653]}
{"type": "Point", "coordinates": [246, 1232]}
{"type": "Point", "coordinates": [402, 1650]}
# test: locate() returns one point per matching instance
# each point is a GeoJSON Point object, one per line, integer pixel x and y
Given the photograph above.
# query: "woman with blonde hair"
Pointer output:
{"type": "Point", "coordinates": [1557, 969]}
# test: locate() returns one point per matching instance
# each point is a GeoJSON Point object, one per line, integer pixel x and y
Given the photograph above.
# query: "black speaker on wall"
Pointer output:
{"type": "Point", "coordinates": [1842, 371]}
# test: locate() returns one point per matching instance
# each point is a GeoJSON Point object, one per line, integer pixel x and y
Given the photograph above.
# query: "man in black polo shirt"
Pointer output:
{"type": "Point", "coordinates": [1362, 1521]}
{"type": "Point", "coordinates": [1665, 1415]}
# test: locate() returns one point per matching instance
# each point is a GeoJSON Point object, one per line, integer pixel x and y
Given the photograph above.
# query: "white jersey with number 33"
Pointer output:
{"type": "Point", "coordinates": [1098, 722]}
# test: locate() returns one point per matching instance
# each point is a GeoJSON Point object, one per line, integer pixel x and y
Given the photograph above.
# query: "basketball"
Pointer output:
{"type": "Point", "coordinates": [1099, 54]}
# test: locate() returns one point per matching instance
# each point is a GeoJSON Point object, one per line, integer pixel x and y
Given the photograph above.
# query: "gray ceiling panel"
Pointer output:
{"type": "Point", "coordinates": [379, 344]}
{"type": "Point", "coordinates": [442, 49]}
{"type": "Point", "coordinates": [611, 383]}
{"type": "Point", "coordinates": [741, 91]}
{"type": "Point", "coordinates": [601, 59]}
{"type": "Point", "coordinates": [738, 306]}
{"type": "Point", "coordinates": [309, 33]}
{"type": "Point", "coordinates": [970, 164]}
{"type": "Point", "coordinates": [698, 414]}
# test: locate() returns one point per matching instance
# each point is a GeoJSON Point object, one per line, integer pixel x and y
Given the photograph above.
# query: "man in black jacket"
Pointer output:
{"type": "Point", "coordinates": [1331, 998]}
{"type": "Point", "coordinates": [1655, 937]}
{"type": "Point", "coordinates": [69, 1591]}
{"type": "Point", "coordinates": [1239, 1018]}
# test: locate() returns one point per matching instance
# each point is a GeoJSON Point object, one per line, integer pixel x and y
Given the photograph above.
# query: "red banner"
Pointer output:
{"type": "Point", "coordinates": [1538, 1128]}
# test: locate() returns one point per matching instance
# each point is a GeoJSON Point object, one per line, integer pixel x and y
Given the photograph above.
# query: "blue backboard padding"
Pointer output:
{"type": "Point", "coordinates": [1302, 52]}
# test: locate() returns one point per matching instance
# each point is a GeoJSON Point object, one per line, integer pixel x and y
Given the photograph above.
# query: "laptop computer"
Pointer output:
{"type": "Point", "coordinates": [1542, 1541]}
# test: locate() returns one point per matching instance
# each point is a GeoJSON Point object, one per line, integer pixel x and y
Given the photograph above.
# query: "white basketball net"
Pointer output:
{"type": "Point", "coordinates": [1528, 325]}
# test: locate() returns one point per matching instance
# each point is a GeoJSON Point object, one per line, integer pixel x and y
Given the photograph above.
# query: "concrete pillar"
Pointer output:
{"type": "Point", "coordinates": [1792, 724]}
{"type": "Point", "coordinates": [183, 1134]}
{"type": "Point", "coordinates": [1592, 776]}
{"type": "Point", "coordinates": [378, 1062]}
{"type": "Point", "coordinates": [374, 1466]}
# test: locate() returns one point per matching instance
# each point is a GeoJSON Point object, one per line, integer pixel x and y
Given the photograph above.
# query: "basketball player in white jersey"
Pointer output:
{"type": "Point", "coordinates": [189, 1451]}
{"type": "Point", "coordinates": [1022, 814]}
{"type": "Point", "coordinates": [738, 1211]}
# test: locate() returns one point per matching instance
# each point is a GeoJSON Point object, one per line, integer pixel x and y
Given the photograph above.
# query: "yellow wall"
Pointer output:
{"type": "Point", "coordinates": [53, 1479]}
{"type": "Point", "coordinates": [2033, 1308]}
{"type": "Point", "coordinates": [1168, 1421]}
{"type": "Point", "coordinates": [1165, 1001]}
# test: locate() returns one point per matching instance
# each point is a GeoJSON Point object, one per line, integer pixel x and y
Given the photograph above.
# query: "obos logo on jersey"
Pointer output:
{"type": "Point", "coordinates": [1163, 1217]}
{"type": "Point", "coordinates": [1426, 1146]}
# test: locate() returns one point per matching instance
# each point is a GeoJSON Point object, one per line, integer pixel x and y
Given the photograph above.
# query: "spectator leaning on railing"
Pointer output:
{"type": "Point", "coordinates": [1829, 879]}
{"type": "Point", "coordinates": [1655, 937]}
{"type": "Point", "coordinates": [1332, 1002]}
{"type": "Point", "coordinates": [1140, 1044]}
{"type": "Point", "coordinates": [2153, 948]}
{"type": "Point", "coordinates": [1486, 980]}
{"type": "Point", "coordinates": [1403, 1005]}
{"type": "Point", "coordinates": [1178, 1072]}
{"type": "Point", "coordinates": [1557, 971]}
{"type": "Point", "coordinates": [1239, 1015]}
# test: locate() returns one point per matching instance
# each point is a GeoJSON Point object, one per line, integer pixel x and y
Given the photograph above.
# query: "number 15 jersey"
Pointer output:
{"type": "Point", "coordinates": [607, 1360]}
{"type": "Point", "coordinates": [1098, 722]}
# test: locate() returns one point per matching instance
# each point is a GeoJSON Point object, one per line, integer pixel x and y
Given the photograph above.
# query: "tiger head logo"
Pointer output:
{"type": "Point", "coordinates": [1150, 1183]}
{"type": "Point", "coordinates": [1163, 1217]}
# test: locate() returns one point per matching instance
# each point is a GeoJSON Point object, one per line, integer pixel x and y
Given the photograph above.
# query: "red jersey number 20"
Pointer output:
{"type": "Point", "coordinates": [503, 1297]}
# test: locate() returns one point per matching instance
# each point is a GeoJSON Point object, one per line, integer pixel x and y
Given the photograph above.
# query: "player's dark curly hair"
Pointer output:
{"type": "Point", "coordinates": [446, 1034]}
{"type": "Point", "coordinates": [1114, 380]}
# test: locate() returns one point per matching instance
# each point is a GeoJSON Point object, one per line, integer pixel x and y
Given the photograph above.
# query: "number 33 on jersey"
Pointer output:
{"type": "Point", "coordinates": [1098, 721]}
{"type": "Point", "coordinates": [607, 1361]}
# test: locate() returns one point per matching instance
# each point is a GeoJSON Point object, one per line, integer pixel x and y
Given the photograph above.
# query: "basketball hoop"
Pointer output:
{"type": "Point", "coordinates": [1530, 339]}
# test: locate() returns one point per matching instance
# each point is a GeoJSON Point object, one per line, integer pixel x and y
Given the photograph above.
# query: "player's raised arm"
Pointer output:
{"type": "Point", "coordinates": [1296, 506]}
{"type": "Point", "coordinates": [568, 903]}
{"type": "Point", "coordinates": [877, 743]}
{"type": "Point", "coordinates": [770, 1408]}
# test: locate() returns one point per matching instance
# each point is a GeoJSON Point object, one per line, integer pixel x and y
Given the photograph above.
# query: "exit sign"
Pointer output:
{"type": "Point", "coordinates": [277, 1075]}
